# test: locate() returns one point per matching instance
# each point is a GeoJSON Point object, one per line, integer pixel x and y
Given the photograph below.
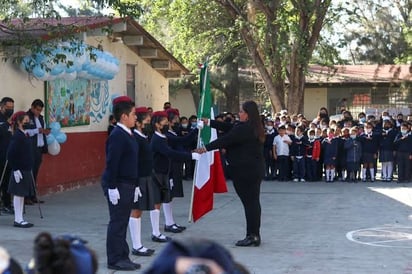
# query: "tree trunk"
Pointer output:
{"type": "Point", "coordinates": [231, 91]}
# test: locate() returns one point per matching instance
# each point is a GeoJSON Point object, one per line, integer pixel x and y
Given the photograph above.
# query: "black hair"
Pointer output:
{"type": "Point", "coordinates": [141, 116]}
{"type": "Point", "coordinates": [121, 108]}
{"type": "Point", "coordinates": [5, 100]}
{"type": "Point", "coordinates": [156, 119]}
{"type": "Point", "coordinates": [37, 103]}
{"type": "Point", "coordinates": [53, 256]}
{"type": "Point", "coordinates": [251, 108]}
{"type": "Point", "coordinates": [18, 119]}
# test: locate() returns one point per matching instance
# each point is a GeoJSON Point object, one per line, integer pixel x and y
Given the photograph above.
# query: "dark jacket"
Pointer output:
{"type": "Point", "coordinates": [121, 159]}
{"type": "Point", "coordinates": [243, 148]}
{"type": "Point", "coordinates": [5, 137]}
{"type": "Point", "coordinates": [145, 158]}
{"type": "Point", "coordinates": [19, 153]}
{"type": "Point", "coordinates": [32, 123]}
{"type": "Point", "coordinates": [353, 148]}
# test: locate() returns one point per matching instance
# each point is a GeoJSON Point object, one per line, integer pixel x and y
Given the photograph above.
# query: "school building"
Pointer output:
{"type": "Point", "coordinates": [130, 62]}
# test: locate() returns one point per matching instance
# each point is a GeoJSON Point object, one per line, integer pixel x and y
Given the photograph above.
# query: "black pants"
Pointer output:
{"type": "Point", "coordinates": [247, 185]}
{"type": "Point", "coordinates": [404, 166]}
{"type": "Point", "coordinates": [116, 244]}
{"type": "Point", "coordinates": [5, 195]}
{"type": "Point", "coordinates": [283, 166]}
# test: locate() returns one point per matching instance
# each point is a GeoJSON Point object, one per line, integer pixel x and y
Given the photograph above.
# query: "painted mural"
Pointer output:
{"type": "Point", "coordinates": [68, 102]}
{"type": "Point", "coordinates": [99, 100]}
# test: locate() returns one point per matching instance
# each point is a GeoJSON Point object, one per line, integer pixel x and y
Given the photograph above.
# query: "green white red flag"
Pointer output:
{"type": "Point", "coordinates": [209, 177]}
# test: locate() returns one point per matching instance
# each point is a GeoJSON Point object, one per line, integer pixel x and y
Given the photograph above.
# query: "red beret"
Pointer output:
{"type": "Point", "coordinates": [159, 114]}
{"type": "Point", "coordinates": [121, 99]}
{"type": "Point", "coordinates": [142, 110]}
{"type": "Point", "coordinates": [17, 114]}
{"type": "Point", "coordinates": [174, 111]}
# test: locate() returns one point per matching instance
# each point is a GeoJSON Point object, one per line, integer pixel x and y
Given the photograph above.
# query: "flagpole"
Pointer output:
{"type": "Point", "coordinates": [199, 140]}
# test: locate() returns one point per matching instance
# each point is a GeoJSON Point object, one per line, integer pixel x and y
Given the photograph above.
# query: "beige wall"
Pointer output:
{"type": "Point", "coordinates": [315, 98]}
{"type": "Point", "coordinates": [152, 89]}
{"type": "Point", "coordinates": [183, 100]}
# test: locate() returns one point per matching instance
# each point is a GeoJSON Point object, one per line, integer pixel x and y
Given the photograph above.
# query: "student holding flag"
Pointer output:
{"type": "Point", "coordinates": [243, 142]}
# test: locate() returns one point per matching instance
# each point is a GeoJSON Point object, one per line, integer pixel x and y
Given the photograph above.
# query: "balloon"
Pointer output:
{"type": "Point", "coordinates": [54, 148]}
{"type": "Point", "coordinates": [50, 139]}
{"type": "Point", "coordinates": [61, 137]}
{"type": "Point", "coordinates": [55, 128]}
{"type": "Point", "coordinates": [38, 72]}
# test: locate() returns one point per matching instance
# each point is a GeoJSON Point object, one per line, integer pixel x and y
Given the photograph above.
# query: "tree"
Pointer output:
{"type": "Point", "coordinates": [378, 31]}
{"type": "Point", "coordinates": [194, 31]}
{"type": "Point", "coordinates": [281, 37]}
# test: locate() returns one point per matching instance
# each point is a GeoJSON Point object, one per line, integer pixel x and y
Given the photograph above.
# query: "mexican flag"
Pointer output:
{"type": "Point", "coordinates": [209, 177]}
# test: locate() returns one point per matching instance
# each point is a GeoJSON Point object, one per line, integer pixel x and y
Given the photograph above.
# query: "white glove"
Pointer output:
{"type": "Point", "coordinates": [17, 176]}
{"type": "Point", "coordinates": [114, 196]}
{"type": "Point", "coordinates": [196, 156]}
{"type": "Point", "coordinates": [137, 194]}
{"type": "Point", "coordinates": [171, 183]}
{"type": "Point", "coordinates": [200, 124]}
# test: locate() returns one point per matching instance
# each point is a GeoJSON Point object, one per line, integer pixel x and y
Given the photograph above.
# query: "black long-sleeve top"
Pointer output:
{"type": "Point", "coordinates": [19, 153]}
{"type": "Point", "coordinates": [5, 136]}
{"type": "Point", "coordinates": [145, 158]}
{"type": "Point", "coordinates": [121, 159]}
{"type": "Point", "coordinates": [163, 154]}
{"type": "Point", "coordinates": [243, 147]}
{"type": "Point", "coordinates": [403, 143]}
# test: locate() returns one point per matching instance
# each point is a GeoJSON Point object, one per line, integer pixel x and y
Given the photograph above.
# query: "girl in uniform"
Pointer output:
{"type": "Point", "coordinates": [20, 158]}
{"type": "Point", "coordinates": [145, 165]}
{"type": "Point", "coordinates": [163, 155]}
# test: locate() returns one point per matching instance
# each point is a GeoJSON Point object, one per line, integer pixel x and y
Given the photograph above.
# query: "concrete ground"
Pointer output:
{"type": "Point", "coordinates": [306, 227]}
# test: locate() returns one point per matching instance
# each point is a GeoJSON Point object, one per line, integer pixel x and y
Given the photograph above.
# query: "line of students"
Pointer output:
{"type": "Point", "coordinates": [300, 153]}
{"type": "Point", "coordinates": [138, 177]}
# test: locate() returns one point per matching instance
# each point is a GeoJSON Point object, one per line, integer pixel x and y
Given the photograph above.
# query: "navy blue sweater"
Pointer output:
{"type": "Point", "coordinates": [145, 159]}
{"type": "Point", "coordinates": [19, 154]}
{"type": "Point", "coordinates": [163, 154]}
{"type": "Point", "coordinates": [370, 144]}
{"type": "Point", "coordinates": [121, 159]}
{"type": "Point", "coordinates": [386, 139]}
{"type": "Point", "coordinates": [5, 137]}
{"type": "Point", "coordinates": [298, 146]}
{"type": "Point", "coordinates": [403, 143]}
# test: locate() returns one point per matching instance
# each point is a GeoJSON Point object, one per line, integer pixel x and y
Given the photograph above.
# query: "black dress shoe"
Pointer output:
{"type": "Point", "coordinates": [173, 228]}
{"type": "Point", "coordinates": [124, 265]}
{"type": "Point", "coordinates": [251, 240]}
{"type": "Point", "coordinates": [23, 224]}
{"type": "Point", "coordinates": [141, 252]}
{"type": "Point", "coordinates": [181, 227]}
{"type": "Point", "coordinates": [161, 238]}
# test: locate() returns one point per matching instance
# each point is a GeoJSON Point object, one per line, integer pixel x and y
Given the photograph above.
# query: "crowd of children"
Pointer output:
{"type": "Point", "coordinates": [344, 149]}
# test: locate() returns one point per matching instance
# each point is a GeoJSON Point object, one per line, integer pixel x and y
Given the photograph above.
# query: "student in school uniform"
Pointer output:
{"type": "Point", "coordinates": [298, 153]}
{"type": "Point", "coordinates": [370, 148]}
{"type": "Point", "coordinates": [403, 149]}
{"type": "Point", "coordinates": [330, 149]}
{"type": "Point", "coordinates": [20, 159]}
{"type": "Point", "coordinates": [312, 156]}
{"type": "Point", "coordinates": [386, 150]}
{"type": "Point", "coordinates": [163, 155]}
{"type": "Point", "coordinates": [281, 144]}
{"type": "Point", "coordinates": [178, 143]}
{"type": "Point", "coordinates": [145, 164]}
{"type": "Point", "coordinates": [353, 153]}
{"type": "Point", "coordinates": [120, 183]}
{"type": "Point", "coordinates": [270, 134]}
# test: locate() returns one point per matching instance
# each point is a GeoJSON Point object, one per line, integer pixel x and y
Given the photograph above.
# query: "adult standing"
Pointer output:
{"type": "Point", "coordinates": [243, 142]}
{"type": "Point", "coordinates": [120, 183]}
{"type": "Point", "coordinates": [37, 133]}
{"type": "Point", "coordinates": [6, 111]}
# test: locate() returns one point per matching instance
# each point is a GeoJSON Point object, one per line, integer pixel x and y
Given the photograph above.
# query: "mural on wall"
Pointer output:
{"type": "Point", "coordinates": [68, 102]}
{"type": "Point", "coordinates": [99, 100]}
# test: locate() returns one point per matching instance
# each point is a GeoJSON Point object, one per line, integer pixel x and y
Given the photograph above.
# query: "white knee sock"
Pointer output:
{"type": "Point", "coordinates": [385, 170]}
{"type": "Point", "coordinates": [135, 232]}
{"type": "Point", "coordinates": [154, 219]}
{"type": "Point", "coordinates": [332, 174]}
{"type": "Point", "coordinates": [363, 173]}
{"type": "Point", "coordinates": [372, 172]}
{"type": "Point", "coordinates": [327, 174]}
{"type": "Point", "coordinates": [167, 211]}
{"type": "Point", "coordinates": [390, 170]}
{"type": "Point", "coordinates": [18, 203]}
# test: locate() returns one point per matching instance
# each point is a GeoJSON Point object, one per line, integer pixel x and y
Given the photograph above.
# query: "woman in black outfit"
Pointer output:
{"type": "Point", "coordinates": [243, 142]}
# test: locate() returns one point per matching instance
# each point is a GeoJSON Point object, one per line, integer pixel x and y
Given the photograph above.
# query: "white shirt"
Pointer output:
{"type": "Point", "coordinates": [32, 132]}
{"type": "Point", "coordinates": [125, 128]}
{"type": "Point", "coordinates": [282, 148]}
